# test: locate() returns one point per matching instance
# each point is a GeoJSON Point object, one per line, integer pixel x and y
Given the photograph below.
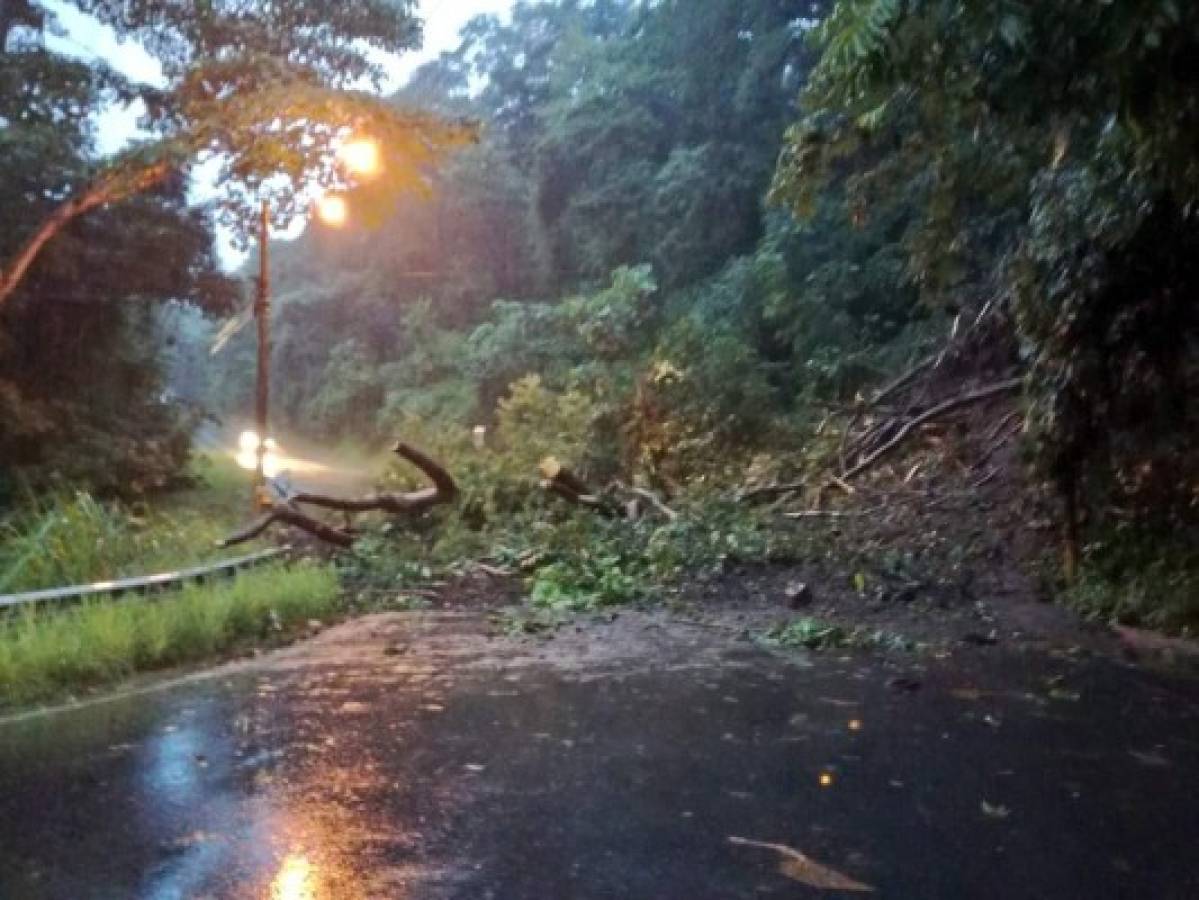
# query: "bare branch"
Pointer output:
{"type": "Point", "coordinates": [941, 409]}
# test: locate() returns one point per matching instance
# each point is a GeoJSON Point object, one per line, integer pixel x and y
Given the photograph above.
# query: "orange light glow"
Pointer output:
{"type": "Point", "coordinates": [333, 210]}
{"type": "Point", "coordinates": [361, 156]}
{"type": "Point", "coordinates": [855, 724]}
{"type": "Point", "coordinates": [295, 881]}
{"type": "Point", "coordinates": [826, 779]}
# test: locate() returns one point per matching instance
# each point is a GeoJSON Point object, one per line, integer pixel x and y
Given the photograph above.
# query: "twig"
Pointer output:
{"type": "Point", "coordinates": [832, 513]}
{"type": "Point", "coordinates": [997, 442]}
{"type": "Point", "coordinates": [649, 497]}
{"type": "Point", "coordinates": [771, 490]}
{"type": "Point", "coordinates": [843, 485]}
{"type": "Point", "coordinates": [904, 380]}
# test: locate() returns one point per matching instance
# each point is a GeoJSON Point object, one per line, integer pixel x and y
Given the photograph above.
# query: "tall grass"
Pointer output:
{"type": "Point", "coordinates": [72, 538]}
{"type": "Point", "coordinates": [46, 653]}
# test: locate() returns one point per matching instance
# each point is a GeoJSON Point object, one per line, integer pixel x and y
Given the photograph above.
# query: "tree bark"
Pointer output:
{"type": "Point", "coordinates": [98, 194]}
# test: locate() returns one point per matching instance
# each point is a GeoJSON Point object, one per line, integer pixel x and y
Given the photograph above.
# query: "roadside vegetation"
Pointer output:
{"type": "Point", "coordinates": [47, 654]}
{"type": "Point", "coordinates": [64, 537]}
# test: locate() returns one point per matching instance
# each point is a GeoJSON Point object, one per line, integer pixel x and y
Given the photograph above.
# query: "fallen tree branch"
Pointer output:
{"type": "Point", "coordinates": [941, 409]}
{"type": "Point", "coordinates": [287, 510]}
{"type": "Point", "coordinates": [444, 490]}
{"type": "Point", "coordinates": [649, 497]}
{"type": "Point", "coordinates": [559, 480]}
{"type": "Point", "coordinates": [289, 514]}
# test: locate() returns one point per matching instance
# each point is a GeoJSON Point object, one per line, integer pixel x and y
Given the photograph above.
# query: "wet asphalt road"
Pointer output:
{"type": "Point", "coordinates": [473, 772]}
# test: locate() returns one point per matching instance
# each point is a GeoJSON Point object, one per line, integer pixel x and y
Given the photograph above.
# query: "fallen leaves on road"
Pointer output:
{"type": "Point", "coordinates": [994, 811]}
{"type": "Point", "coordinates": [798, 867]}
{"type": "Point", "coordinates": [1151, 758]}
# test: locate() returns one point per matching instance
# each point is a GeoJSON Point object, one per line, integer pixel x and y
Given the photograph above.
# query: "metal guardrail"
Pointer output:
{"type": "Point", "coordinates": [140, 585]}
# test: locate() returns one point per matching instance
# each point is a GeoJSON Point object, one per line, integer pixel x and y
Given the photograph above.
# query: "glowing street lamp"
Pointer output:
{"type": "Point", "coordinates": [333, 210]}
{"type": "Point", "coordinates": [361, 157]}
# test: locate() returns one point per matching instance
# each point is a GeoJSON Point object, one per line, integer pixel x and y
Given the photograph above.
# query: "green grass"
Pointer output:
{"type": "Point", "coordinates": [48, 653]}
{"type": "Point", "coordinates": [66, 538]}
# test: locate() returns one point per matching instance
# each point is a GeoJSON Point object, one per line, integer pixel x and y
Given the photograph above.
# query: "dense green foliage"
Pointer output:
{"type": "Point", "coordinates": [609, 237]}
{"type": "Point", "coordinates": [1027, 166]}
{"type": "Point", "coordinates": [81, 388]}
{"type": "Point", "coordinates": [1050, 151]}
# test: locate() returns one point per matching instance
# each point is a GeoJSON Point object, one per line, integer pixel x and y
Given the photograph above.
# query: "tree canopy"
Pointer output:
{"type": "Point", "coordinates": [261, 89]}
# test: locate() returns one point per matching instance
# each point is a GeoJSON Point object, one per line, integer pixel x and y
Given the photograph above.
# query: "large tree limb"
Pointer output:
{"type": "Point", "coordinates": [289, 514]}
{"type": "Point", "coordinates": [287, 509]}
{"type": "Point", "coordinates": [941, 409]}
{"type": "Point", "coordinates": [114, 187]}
{"type": "Point", "coordinates": [444, 490]}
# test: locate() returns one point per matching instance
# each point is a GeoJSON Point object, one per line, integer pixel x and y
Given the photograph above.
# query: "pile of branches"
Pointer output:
{"type": "Point", "coordinates": [284, 504]}
{"type": "Point", "coordinates": [976, 366]}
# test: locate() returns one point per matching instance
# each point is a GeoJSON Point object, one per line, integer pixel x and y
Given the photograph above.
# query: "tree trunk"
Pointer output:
{"type": "Point", "coordinates": [98, 194]}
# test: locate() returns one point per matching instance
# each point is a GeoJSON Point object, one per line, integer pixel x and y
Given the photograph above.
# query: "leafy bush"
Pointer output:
{"type": "Point", "coordinates": [1136, 575]}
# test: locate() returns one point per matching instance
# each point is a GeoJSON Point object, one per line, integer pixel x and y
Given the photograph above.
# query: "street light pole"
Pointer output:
{"type": "Point", "coordinates": [362, 158]}
{"type": "Point", "coordinates": [262, 309]}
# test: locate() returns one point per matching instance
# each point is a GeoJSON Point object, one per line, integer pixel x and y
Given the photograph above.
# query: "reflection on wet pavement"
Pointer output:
{"type": "Point", "coordinates": [681, 766]}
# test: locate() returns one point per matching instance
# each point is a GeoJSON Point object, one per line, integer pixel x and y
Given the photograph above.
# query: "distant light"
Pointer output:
{"type": "Point", "coordinates": [361, 156]}
{"type": "Point", "coordinates": [247, 454]}
{"type": "Point", "coordinates": [296, 880]}
{"type": "Point", "coordinates": [826, 779]}
{"type": "Point", "coordinates": [855, 724]}
{"type": "Point", "coordinates": [333, 210]}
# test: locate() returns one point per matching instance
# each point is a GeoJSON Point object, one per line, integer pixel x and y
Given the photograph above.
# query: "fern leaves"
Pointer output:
{"type": "Point", "coordinates": [854, 32]}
